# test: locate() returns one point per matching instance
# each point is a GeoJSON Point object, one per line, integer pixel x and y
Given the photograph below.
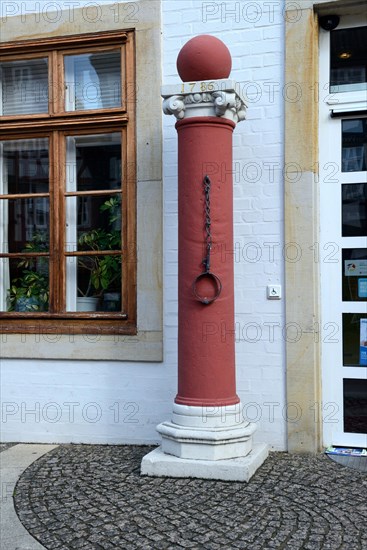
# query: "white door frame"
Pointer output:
{"type": "Point", "coordinates": [331, 179]}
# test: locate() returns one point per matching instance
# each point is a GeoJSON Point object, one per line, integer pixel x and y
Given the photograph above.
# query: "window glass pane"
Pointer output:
{"type": "Point", "coordinates": [27, 284]}
{"type": "Point", "coordinates": [25, 166]}
{"type": "Point", "coordinates": [354, 274]}
{"type": "Point", "coordinates": [355, 339]}
{"type": "Point", "coordinates": [93, 81]}
{"type": "Point", "coordinates": [93, 222]}
{"type": "Point", "coordinates": [98, 228]}
{"type": "Point", "coordinates": [93, 162]}
{"type": "Point", "coordinates": [354, 210]}
{"type": "Point", "coordinates": [348, 59]}
{"type": "Point", "coordinates": [354, 145]}
{"type": "Point", "coordinates": [26, 224]}
{"type": "Point", "coordinates": [355, 406]}
{"type": "Point", "coordinates": [24, 86]}
{"type": "Point", "coordinates": [94, 283]}
{"type": "Point", "coordinates": [97, 220]}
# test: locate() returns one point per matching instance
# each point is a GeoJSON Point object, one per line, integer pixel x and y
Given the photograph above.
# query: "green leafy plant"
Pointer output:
{"type": "Point", "coordinates": [30, 291]}
{"type": "Point", "coordinates": [104, 271]}
{"type": "Point", "coordinates": [113, 207]}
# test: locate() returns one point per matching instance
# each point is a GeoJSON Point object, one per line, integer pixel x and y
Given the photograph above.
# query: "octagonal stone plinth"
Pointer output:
{"type": "Point", "coordinates": [206, 444]}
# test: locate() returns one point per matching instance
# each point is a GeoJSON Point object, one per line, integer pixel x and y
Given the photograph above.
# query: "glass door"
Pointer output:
{"type": "Point", "coordinates": [343, 233]}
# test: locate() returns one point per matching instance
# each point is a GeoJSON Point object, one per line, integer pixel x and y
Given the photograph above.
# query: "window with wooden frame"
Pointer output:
{"type": "Point", "coordinates": [68, 185]}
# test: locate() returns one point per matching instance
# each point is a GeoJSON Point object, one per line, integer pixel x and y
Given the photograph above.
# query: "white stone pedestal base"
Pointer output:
{"type": "Point", "coordinates": [159, 464]}
{"type": "Point", "coordinates": [206, 442]}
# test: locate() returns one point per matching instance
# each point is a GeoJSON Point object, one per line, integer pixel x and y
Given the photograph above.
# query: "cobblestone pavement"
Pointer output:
{"type": "Point", "coordinates": [93, 497]}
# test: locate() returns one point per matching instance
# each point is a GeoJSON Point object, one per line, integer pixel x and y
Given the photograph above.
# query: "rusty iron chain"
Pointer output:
{"type": "Point", "coordinates": [206, 261]}
{"type": "Point", "coordinates": [208, 238]}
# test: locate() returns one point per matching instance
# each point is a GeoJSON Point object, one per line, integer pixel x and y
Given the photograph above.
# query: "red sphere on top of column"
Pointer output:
{"type": "Point", "coordinates": [204, 57]}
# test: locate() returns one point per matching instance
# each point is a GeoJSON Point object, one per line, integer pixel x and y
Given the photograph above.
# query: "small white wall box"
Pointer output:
{"type": "Point", "coordinates": [274, 292]}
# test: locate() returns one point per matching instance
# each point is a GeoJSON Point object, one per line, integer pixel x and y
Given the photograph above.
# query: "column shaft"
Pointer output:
{"type": "Point", "coordinates": [206, 339]}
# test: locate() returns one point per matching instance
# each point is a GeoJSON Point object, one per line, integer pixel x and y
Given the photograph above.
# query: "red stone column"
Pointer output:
{"type": "Point", "coordinates": [207, 429]}
{"type": "Point", "coordinates": [206, 333]}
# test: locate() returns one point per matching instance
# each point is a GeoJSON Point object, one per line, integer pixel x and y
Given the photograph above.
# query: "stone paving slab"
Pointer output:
{"type": "Point", "coordinates": [94, 498]}
{"type": "Point", "coordinates": [356, 462]}
{"type": "Point", "coordinates": [14, 460]}
{"type": "Point", "coordinates": [5, 446]}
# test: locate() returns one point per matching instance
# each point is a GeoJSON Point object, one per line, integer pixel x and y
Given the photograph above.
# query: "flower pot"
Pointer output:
{"type": "Point", "coordinates": [86, 303]}
{"type": "Point", "coordinates": [30, 303]}
{"type": "Point", "coordinates": [111, 301]}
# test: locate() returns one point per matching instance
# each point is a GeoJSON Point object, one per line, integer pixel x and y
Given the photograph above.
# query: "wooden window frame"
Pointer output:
{"type": "Point", "coordinates": [56, 125]}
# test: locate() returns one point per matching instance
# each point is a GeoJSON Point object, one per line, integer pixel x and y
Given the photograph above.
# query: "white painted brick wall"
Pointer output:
{"type": "Point", "coordinates": [123, 402]}
{"type": "Point", "coordinates": [257, 52]}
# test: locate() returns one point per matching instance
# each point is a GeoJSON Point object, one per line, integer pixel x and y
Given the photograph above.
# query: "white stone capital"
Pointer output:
{"type": "Point", "coordinates": [220, 98]}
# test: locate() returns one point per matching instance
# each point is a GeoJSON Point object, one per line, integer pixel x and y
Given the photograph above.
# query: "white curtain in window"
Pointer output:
{"type": "Point", "coordinates": [4, 245]}
{"type": "Point", "coordinates": [71, 226]}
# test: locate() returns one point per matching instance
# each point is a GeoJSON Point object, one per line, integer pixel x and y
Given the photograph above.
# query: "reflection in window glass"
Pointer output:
{"type": "Point", "coordinates": [28, 225]}
{"type": "Point", "coordinates": [348, 59]}
{"type": "Point", "coordinates": [354, 210]}
{"type": "Point", "coordinates": [93, 282]}
{"type": "Point", "coordinates": [93, 81]}
{"type": "Point", "coordinates": [24, 87]}
{"type": "Point", "coordinates": [24, 225]}
{"type": "Point", "coordinates": [355, 339]}
{"type": "Point", "coordinates": [355, 406]}
{"type": "Point", "coordinates": [26, 166]}
{"type": "Point", "coordinates": [98, 222]}
{"type": "Point", "coordinates": [354, 145]}
{"type": "Point", "coordinates": [93, 162]}
{"type": "Point", "coordinates": [354, 275]}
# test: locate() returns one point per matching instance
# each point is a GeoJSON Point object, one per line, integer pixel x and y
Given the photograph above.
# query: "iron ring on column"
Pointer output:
{"type": "Point", "coordinates": [218, 287]}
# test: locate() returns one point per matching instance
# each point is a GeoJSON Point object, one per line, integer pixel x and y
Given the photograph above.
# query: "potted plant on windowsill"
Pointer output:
{"type": "Point", "coordinates": [104, 270]}
{"type": "Point", "coordinates": [104, 276]}
{"type": "Point", "coordinates": [29, 292]}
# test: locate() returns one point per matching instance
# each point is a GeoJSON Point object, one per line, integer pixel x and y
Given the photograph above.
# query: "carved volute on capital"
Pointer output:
{"type": "Point", "coordinates": [174, 105]}
{"type": "Point", "coordinates": [229, 105]}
